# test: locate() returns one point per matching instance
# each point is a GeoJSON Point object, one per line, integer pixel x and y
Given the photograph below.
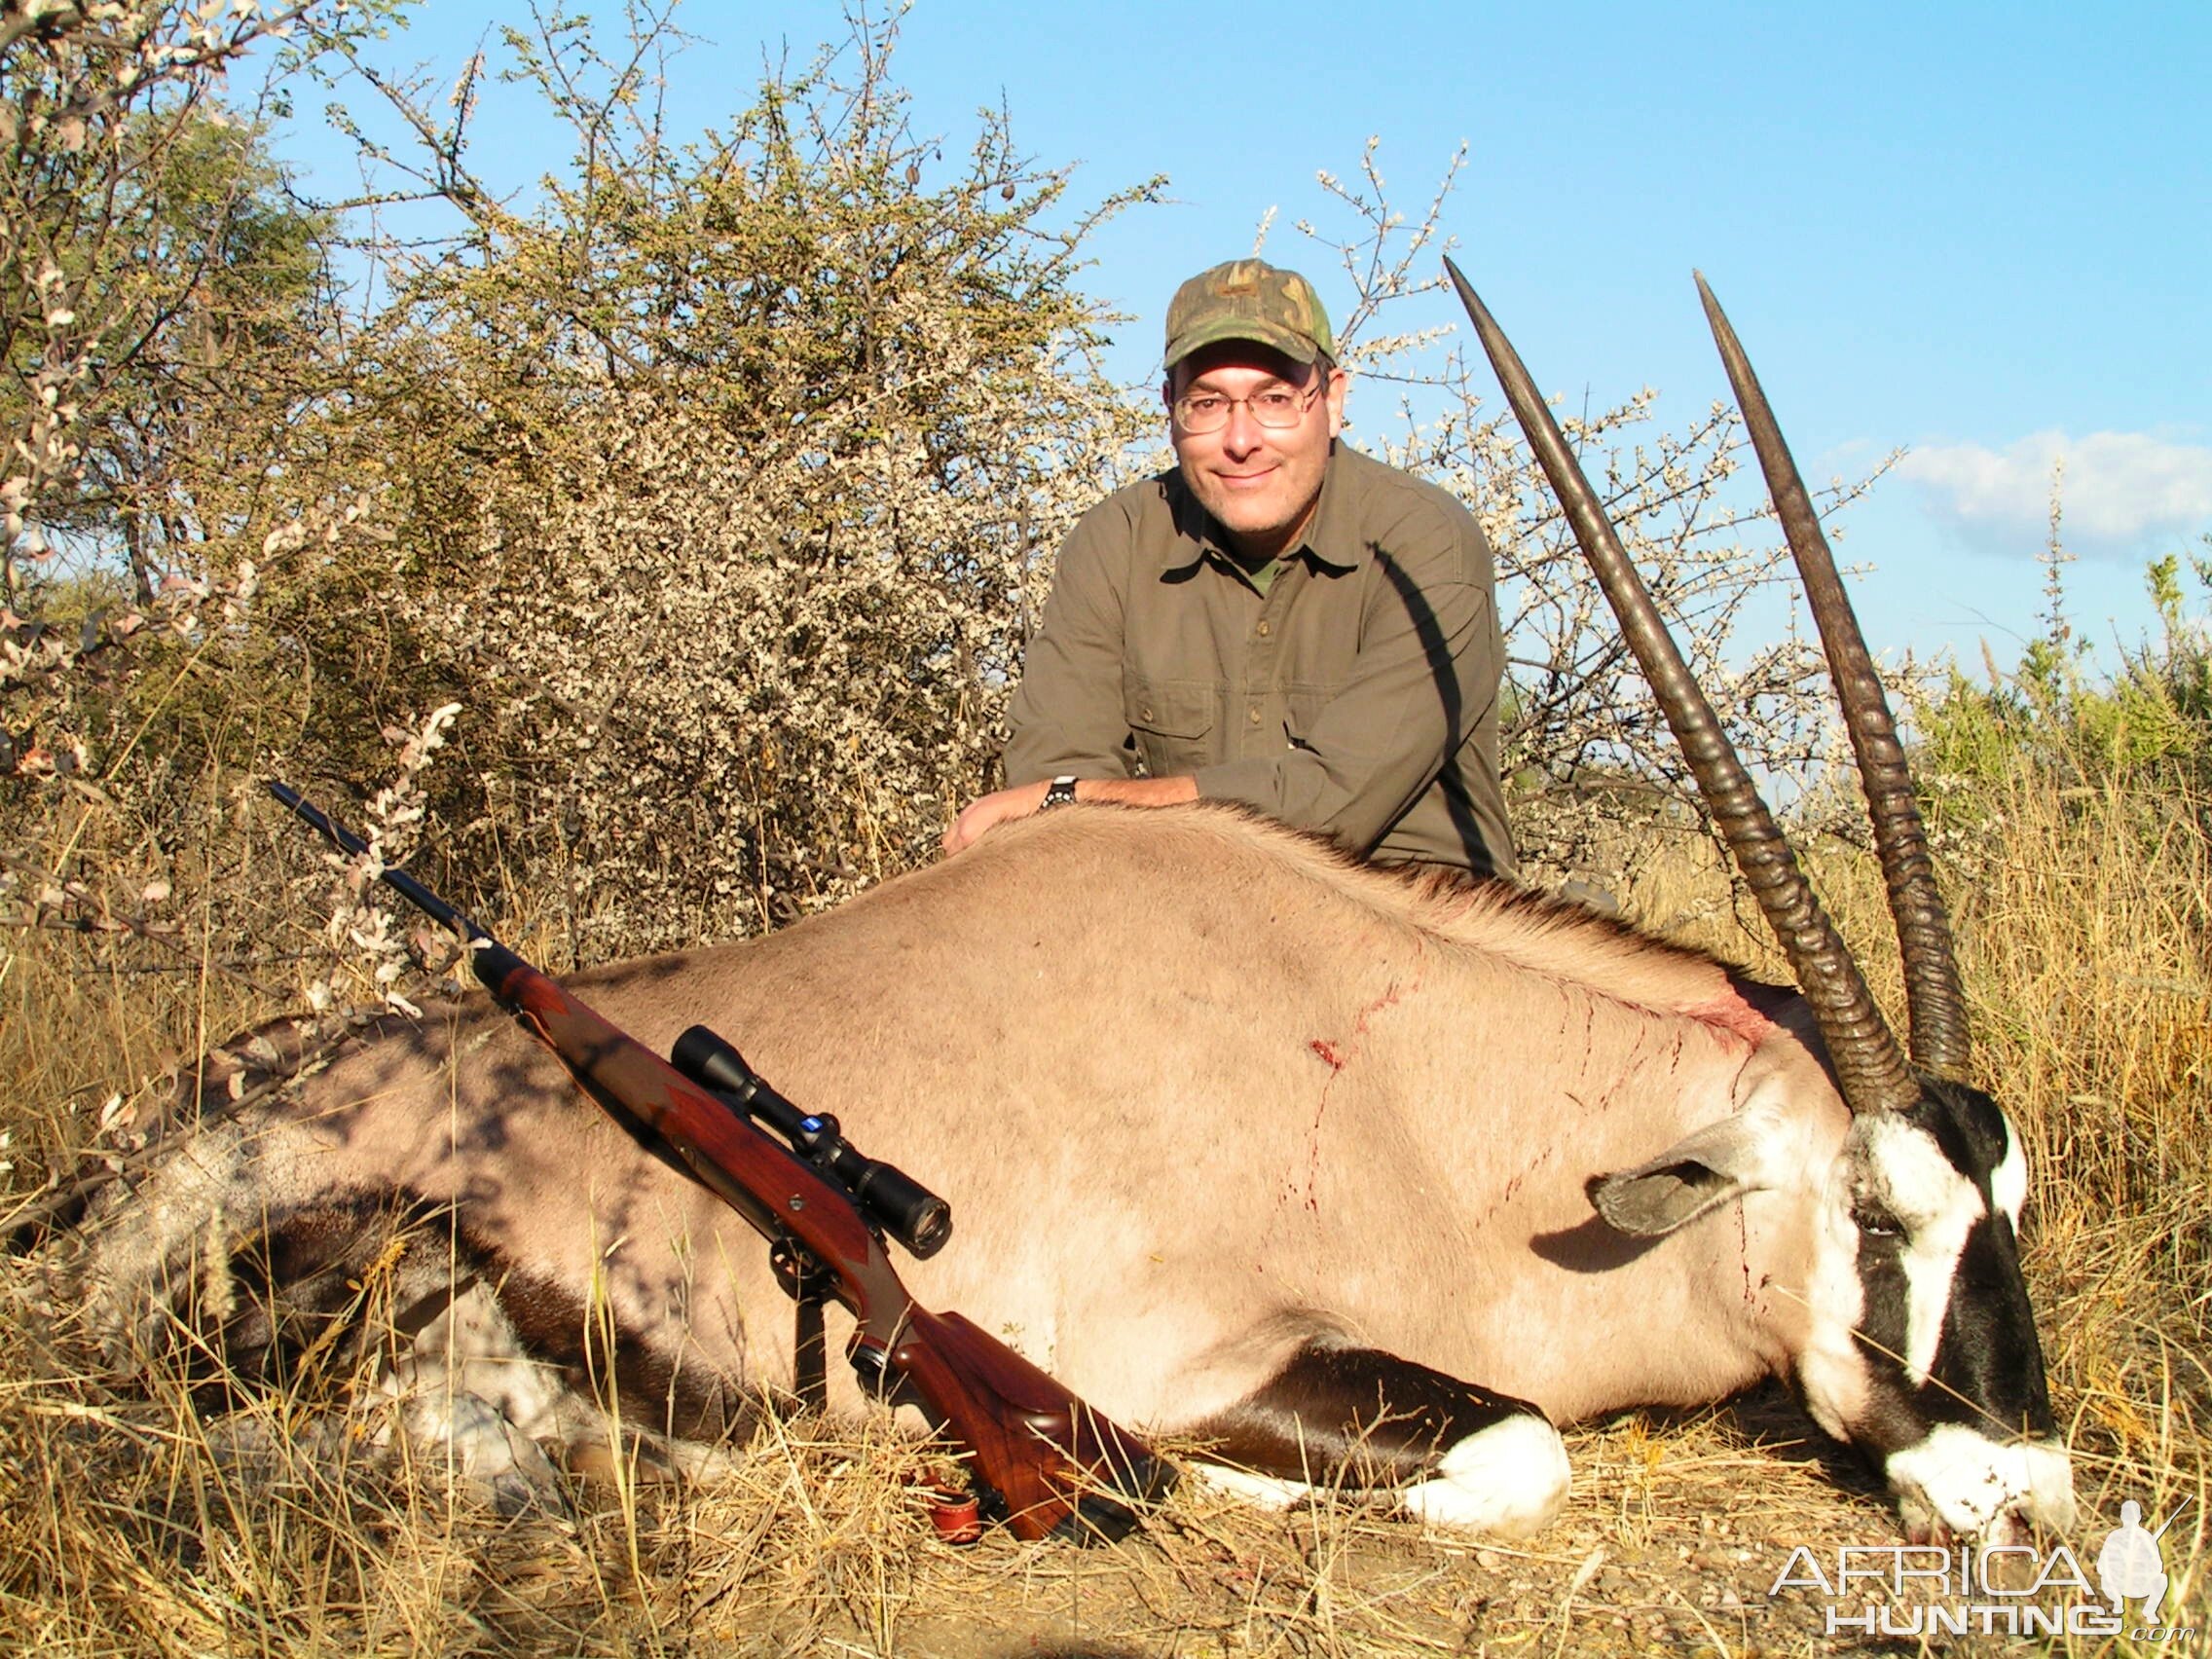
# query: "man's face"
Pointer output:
{"type": "Point", "coordinates": [1261, 483]}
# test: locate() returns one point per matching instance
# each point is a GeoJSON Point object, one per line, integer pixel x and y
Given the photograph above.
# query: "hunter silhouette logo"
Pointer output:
{"type": "Point", "coordinates": [2129, 1567]}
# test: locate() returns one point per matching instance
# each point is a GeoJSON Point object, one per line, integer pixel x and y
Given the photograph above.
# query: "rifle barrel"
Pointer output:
{"type": "Point", "coordinates": [400, 882]}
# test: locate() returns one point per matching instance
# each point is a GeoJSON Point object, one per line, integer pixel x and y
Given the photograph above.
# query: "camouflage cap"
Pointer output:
{"type": "Point", "coordinates": [1248, 299]}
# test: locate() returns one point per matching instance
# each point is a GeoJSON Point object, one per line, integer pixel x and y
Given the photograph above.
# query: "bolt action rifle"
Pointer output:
{"type": "Point", "coordinates": [1042, 1461]}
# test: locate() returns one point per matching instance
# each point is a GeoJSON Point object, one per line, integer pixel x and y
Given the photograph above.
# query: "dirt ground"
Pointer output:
{"type": "Point", "coordinates": [1675, 1537]}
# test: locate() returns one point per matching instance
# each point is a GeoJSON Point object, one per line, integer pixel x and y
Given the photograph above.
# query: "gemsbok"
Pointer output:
{"type": "Point", "coordinates": [1355, 1174]}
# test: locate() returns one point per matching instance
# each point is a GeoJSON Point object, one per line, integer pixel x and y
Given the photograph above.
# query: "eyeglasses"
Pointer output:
{"type": "Point", "coordinates": [1278, 407]}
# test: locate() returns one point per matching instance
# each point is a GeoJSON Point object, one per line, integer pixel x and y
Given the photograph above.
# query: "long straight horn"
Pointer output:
{"type": "Point", "coordinates": [1868, 1067]}
{"type": "Point", "coordinates": [1933, 997]}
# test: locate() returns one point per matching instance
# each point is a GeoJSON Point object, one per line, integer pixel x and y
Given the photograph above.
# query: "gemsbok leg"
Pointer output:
{"type": "Point", "coordinates": [1456, 1455]}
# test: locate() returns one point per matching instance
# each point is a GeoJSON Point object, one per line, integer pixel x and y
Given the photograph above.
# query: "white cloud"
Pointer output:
{"type": "Point", "coordinates": [2120, 490]}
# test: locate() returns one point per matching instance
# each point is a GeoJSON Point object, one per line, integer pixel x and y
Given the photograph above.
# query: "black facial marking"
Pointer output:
{"type": "Point", "coordinates": [1989, 1353]}
{"type": "Point", "coordinates": [1889, 1421]}
{"type": "Point", "coordinates": [1967, 1126]}
{"type": "Point", "coordinates": [1988, 1371]}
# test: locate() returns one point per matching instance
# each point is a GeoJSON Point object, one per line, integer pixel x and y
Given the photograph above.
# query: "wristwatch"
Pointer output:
{"type": "Point", "coordinates": [1061, 794]}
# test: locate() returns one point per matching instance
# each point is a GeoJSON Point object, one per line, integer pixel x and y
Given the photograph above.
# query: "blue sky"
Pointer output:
{"type": "Point", "coordinates": [1978, 232]}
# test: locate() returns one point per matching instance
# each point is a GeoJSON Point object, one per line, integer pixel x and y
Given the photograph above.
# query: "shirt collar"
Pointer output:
{"type": "Point", "coordinates": [1332, 538]}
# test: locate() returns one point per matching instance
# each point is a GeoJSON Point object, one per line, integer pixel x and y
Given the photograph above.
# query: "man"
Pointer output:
{"type": "Point", "coordinates": [1278, 620]}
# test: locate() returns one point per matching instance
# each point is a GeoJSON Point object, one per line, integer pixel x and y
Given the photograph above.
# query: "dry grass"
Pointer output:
{"type": "Point", "coordinates": [133, 1521]}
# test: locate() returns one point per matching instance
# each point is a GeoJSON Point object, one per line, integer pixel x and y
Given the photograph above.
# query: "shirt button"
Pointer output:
{"type": "Point", "coordinates": [1146, 715]}
{"type": "Point", "coordinates": [1255, 714]}
{"type": "Point", "coordinates": [1262, 630]}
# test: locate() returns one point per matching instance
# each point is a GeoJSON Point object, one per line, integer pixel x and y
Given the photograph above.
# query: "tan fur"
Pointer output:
{"type": "Point", "coordinates": [1196, 1088]}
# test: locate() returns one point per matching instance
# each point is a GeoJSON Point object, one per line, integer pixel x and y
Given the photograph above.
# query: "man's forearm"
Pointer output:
{"type": "Point", "coordinates": [1023, 800]}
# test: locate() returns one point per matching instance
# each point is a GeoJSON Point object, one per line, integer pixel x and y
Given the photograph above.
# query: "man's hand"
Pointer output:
{"type": "Point", "coordinates": [995, 808]}
{"type": "Point", "coordinates": [1025, 799]}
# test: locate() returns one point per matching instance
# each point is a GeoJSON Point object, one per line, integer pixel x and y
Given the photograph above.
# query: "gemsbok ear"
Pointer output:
{"type": "Point", "coordinates": [1702, 1171]}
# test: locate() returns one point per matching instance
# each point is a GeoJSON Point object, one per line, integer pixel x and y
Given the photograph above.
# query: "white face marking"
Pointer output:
{"type": "Point", "coordinates": [2008, 1181]}
{"type": "Point", "coordinates": [1966, 1482]}
{"type": "Point", "coordinates": [1936, 1207]}
{"type": "Point", "coordinates": [1896, 1167]}
{"type": "Point", "coordinates": [1833, 1368]}
{"type": "Point", "coordinates": [1509, 1480]}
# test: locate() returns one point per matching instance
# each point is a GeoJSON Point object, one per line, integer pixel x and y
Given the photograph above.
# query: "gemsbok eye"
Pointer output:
{"type": "Point", "coordinates": [1876, 1223]}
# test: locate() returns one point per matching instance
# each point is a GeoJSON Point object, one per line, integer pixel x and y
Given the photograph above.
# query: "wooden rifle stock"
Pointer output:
{"type": "Point", "coordinates": [1048, 1464]}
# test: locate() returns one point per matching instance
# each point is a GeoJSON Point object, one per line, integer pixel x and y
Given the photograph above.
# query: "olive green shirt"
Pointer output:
{"type": "Point", "coordinates": [1357, 695]}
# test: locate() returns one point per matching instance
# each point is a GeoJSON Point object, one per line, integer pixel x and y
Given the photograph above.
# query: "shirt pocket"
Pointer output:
{"type": "Point", "coordinates": [1173, 722]}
